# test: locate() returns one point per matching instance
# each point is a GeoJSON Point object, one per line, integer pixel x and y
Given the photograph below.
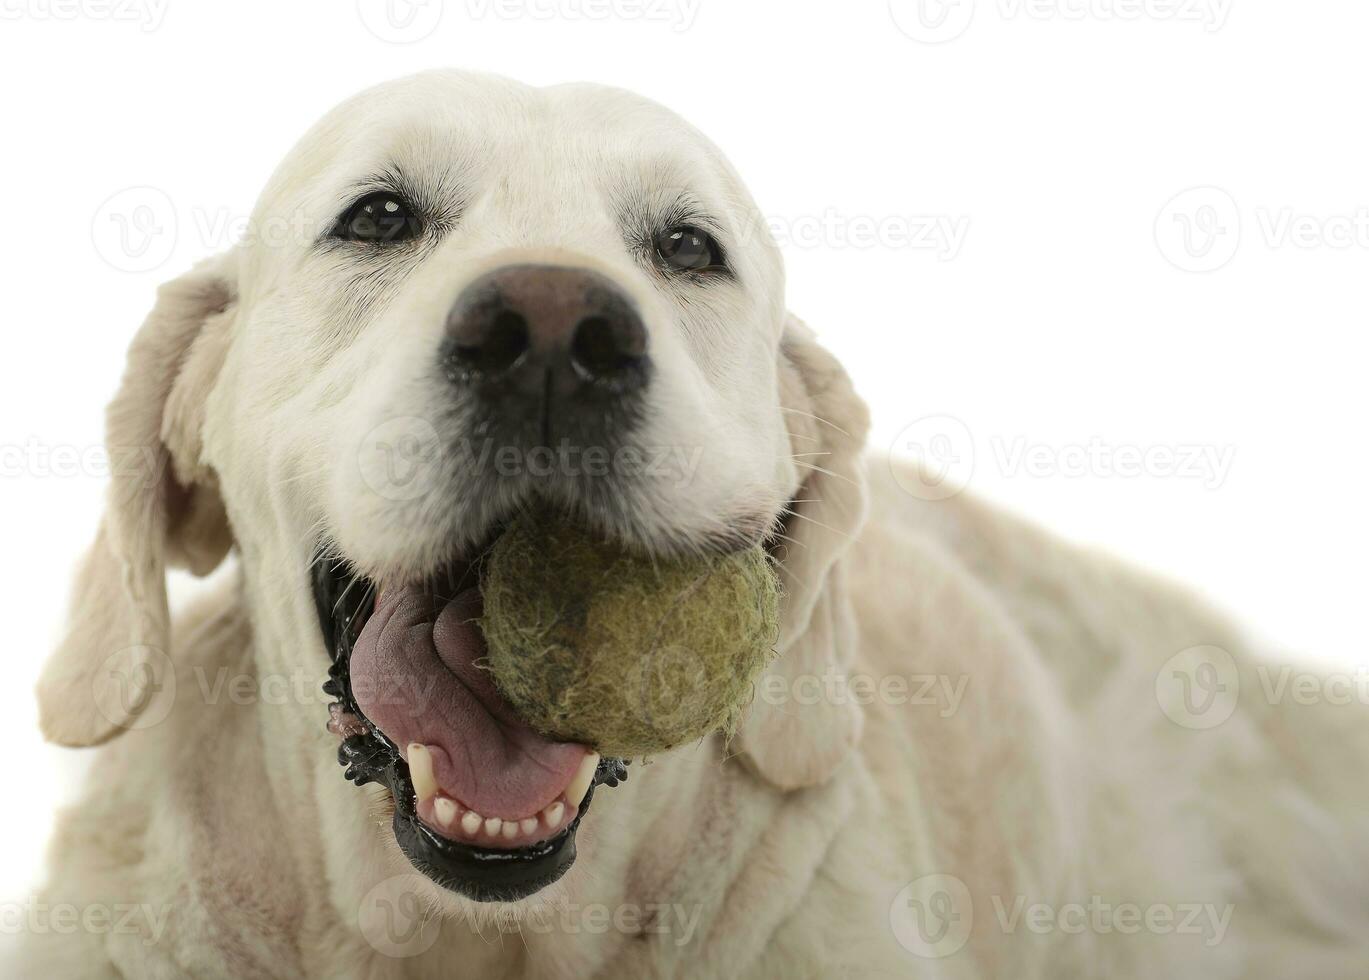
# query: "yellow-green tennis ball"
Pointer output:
{"type": "Point", "coordinates": [627, 653]}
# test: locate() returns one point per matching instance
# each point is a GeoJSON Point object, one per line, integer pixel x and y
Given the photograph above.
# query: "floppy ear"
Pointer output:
{"type": "Point", "coordinates": [788, 743]}
{"type": "Point", "coordinates": [163, 506]}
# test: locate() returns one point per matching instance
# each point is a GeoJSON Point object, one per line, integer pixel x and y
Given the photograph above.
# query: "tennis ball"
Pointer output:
{"type": "Point", "coordinates": [626, 653]}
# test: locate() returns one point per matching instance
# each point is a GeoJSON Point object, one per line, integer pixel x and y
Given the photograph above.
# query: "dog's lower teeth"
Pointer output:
{"type": "Point", "coordinates": [446, 814]}
{"type": "Point", "coordinates": [445, 810]}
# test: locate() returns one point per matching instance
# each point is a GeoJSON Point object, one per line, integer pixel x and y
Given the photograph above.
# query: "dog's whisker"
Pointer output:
{"type": "Point", "coordinates": [367, 600]}
{"type": "Point", "coordinates": [356, 580]}
{"type": "Point", "coordinates": [816, 418]}
{"type": "Point", "coordinates": [825, 527]}
{"type": "Point", "coordinates": [784, 537]}
{"type": "Point", "coordinates": [783, 570]}
{"type": "Point", "coordinates": [822, 469]}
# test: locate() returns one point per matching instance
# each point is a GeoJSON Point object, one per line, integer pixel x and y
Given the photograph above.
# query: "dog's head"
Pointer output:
{"type": "Point", "coordinates": [460, 295]}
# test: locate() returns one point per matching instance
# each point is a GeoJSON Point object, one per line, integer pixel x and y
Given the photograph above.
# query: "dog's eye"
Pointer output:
{"type": "Point", "coordinates": [685, 248]}
{"type": "Point", "coordinates": [378, 217]}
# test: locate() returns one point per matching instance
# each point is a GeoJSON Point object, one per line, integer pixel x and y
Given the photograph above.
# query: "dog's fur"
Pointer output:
{"type": "Point", "coordinates": [1056, 778]}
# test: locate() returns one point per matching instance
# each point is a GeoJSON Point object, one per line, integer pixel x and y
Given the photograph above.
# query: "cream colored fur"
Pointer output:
{"type": "Point", "coordinates": [1053, 776]}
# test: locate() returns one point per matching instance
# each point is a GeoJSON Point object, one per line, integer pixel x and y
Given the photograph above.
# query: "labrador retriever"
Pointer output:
{"type": "Point", "coordinates": [978, 752]}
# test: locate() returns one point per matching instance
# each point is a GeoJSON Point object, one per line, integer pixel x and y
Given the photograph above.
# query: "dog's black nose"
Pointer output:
{"type": "Point", "coordinates": [546, 334]}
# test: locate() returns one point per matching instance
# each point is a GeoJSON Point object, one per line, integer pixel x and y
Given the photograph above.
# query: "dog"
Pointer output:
{"type": "Point", "coordinates": [968, 757]}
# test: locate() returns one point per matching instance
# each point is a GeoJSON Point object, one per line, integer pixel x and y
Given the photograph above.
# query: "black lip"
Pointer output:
{"type": "Point", "coordinates": [480, 873]}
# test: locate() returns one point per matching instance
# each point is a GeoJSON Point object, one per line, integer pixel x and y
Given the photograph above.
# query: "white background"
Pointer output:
{"type": "Point", "coordinates": [1067, 308]}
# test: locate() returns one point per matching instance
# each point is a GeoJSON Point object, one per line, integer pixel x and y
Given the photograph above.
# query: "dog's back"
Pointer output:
{"type": "Point", "coordinates": [1090, 737]}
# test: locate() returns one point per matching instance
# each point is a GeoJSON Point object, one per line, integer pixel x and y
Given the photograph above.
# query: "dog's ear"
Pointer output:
{"type": "Point", "coordinates": [788, 743]}
{"type": "Point", "coordinates": [163, 508]}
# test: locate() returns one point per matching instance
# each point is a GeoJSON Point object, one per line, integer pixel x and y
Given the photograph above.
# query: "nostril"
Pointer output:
{"type": "Point", "coordinates": [498, 346]}
{"type": "Point", "coordinates": [608, 348]}
{"type": "Point", "coordinates": [531, 334]}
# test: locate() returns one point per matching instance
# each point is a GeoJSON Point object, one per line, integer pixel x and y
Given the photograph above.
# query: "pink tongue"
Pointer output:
{"type": "Point", "coordinates": [414, 676]}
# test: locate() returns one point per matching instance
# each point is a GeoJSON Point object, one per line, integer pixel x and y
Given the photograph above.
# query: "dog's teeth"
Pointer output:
{"type": "Point", "coordinates": [421, 771]}
{"type": "Point", "coordinates": [492, 825]}
{"type": "Point", "coordinates": [445, 810]}
{"type": "Point", "coordinates": [553, 814]}
{"type": "Point", "coordinates": [510, 829]}
{"type": "Point", "coordinates": [470, 823]}
{"type": "Point", "coordinates": [527, 825]}
{"type": "Point", "coordinates": [579, 786]}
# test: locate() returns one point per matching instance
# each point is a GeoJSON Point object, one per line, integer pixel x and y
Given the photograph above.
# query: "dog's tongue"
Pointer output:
{"type": "Point", "coordinates": [414, 675]}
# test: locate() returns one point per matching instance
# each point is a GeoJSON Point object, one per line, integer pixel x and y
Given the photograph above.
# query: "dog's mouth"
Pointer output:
{"type": "Point", "coordinates": [483, 805]}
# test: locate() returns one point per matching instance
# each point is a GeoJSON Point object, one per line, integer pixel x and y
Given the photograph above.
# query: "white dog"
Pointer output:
{"type": "Point", "coordinates": [979, 753]}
